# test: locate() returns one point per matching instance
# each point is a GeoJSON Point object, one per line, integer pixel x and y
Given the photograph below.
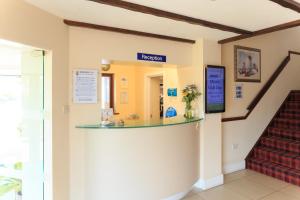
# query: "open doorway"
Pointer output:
{"type": "Point", "coordinates": [156, 97]}
{"type": "Point", "coordinates": [22, 123]}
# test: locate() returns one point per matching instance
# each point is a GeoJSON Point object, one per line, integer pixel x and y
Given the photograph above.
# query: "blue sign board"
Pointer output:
{"type": "Point", "coordinates": [215, 89]}
{"type": "Point", "coordinates": [151, 57]}
{"type": "Point", "coordinates": [172, 92]}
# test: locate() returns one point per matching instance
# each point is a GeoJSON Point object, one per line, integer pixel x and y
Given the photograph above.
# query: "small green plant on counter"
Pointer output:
{"type": "Point", "coordinates": [189, 93]}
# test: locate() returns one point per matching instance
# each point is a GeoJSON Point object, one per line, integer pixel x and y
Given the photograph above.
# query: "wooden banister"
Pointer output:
{"type": "Point", "coordinates": [264, 89]}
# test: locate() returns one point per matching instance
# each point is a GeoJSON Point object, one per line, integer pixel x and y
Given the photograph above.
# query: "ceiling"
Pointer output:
{"type": "Point", "coordinates": [250, 15]}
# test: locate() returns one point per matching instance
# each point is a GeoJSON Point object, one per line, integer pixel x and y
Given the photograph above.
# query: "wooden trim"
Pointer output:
{"type": "Point", "coordinates": [264, 89]}
{"type": "Point", "coordinates": [294, 52]}
{"type": "Point", "coordinates": [126, 31]}
{"type": "Point", "coordinates": [169, 15]}
{"type": "Point", "coordinates": [111, 90]}
{"type": "Point", "coordinates": [229, 119]}
{"type": "Point", "coordinates": [236, 47]}
{"type": "Point", "coordinates": [262, 32]}
{"type": "Point", "coordinates": [290, 4]}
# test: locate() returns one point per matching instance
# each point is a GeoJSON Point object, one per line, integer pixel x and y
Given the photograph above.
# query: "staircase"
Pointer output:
{"type": "Point", "coordinates": [277, 152]}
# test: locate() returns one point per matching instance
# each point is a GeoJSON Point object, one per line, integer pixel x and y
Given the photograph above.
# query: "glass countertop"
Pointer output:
{"type": "Point", "coordinates": [143, 124]}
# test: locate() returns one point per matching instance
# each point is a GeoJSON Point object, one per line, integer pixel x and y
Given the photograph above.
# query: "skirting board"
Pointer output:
{"type": "Point", "coordinates": [229, 168]}
{"type": "Point", "coordinates": [210, 183]}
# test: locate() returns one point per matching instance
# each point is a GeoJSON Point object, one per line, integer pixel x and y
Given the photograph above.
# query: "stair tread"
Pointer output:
{"type": "Point", "coordinates": [280, 152]}
{"type": "Point", "coordinates": [280, 143]}
{"type": "Point", "coordinates": [282, 139]}
{"type": "Point", "coordinates": [275, 166]}
{"type": "Point", "coordinates": [284, 133]}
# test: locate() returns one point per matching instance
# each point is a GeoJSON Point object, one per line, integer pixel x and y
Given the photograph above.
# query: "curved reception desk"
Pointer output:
{"type": "Point", "coordinates": [141, 160]}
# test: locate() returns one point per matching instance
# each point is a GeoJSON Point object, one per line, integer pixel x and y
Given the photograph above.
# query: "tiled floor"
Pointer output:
{"type": "Point", "coordinates": [248, 185]}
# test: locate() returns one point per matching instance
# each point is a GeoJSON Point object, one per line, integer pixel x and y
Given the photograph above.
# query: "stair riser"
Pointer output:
{"type": "Point", "coordinates": [289, 115]}
{"type": "Point", "coordinates": [274, 173]}
{"type": "Point", "coordinates": [278, 159]}
{"type": "Point", "coordinates": [295, 97]}
{"type": "Point", "coordinates": [285, 134]}
{"type": "Point", "coordinates": [291, 111]}
{"type": "Point", "coordinates": [292, 105]}
{"type": "Point", "coordinates": [281, 145]}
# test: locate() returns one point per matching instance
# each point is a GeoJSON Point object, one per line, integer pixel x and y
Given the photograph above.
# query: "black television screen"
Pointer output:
{"type": "Point", "coordinates": [214, 89]}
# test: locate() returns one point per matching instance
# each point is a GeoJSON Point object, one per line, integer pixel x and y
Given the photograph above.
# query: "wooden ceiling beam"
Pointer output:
{"type": "Point", "coordinates": [126, 31]}
{"type": "Point", "coordinates": [262, 31]}
{"type": "Point", "coordinates": [169, 15]}
{"type": "Point", "coordinates": [293, 5]}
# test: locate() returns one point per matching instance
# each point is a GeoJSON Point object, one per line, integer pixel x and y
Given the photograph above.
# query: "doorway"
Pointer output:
{"type": "Point", "coordinates": [22, 123]}
{"type": "Point", "coordinates": [156, 97]}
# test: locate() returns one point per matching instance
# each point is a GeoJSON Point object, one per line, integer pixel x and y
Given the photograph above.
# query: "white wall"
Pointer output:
{"type": "Point", "coordinates": [274, 48]}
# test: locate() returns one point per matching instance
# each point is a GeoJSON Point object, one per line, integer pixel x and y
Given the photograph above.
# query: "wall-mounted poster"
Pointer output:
{"type": "Point", "coordinates": [214, 89]}
{"type": "Point", "coordinates": [247, 64]}
{"type": "Point", "coordinates": [85, 86]}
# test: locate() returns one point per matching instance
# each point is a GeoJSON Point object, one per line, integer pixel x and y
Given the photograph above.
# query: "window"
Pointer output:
{"type": "Point", "coordinates": [107, 91]}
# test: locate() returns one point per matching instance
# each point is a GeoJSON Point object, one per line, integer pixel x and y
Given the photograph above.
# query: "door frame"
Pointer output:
{"type": "Point", "coordinates": [147, 91]}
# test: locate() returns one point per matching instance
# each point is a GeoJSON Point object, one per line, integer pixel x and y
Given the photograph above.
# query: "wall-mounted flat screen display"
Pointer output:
{"type": "Point", "coordinates": [214, 89]}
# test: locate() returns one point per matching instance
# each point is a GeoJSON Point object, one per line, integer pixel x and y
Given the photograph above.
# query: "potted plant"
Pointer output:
{"type": "Point", "coordinates": [189, 93]}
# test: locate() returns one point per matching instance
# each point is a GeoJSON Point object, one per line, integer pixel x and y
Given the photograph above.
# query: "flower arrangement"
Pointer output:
{"type": "Point", "coordinates": [189, 93]}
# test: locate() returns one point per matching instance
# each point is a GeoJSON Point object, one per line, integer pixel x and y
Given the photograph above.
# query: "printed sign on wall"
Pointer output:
{"type": "Point", "coordinates": [85, 86]}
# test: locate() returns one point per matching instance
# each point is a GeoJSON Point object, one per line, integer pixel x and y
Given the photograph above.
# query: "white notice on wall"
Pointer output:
{"type": "Point", "coordinates": [85, 86]}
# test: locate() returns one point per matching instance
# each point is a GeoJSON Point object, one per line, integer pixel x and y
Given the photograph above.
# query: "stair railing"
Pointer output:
{"type": "Point", "coordinates": [264, 89]}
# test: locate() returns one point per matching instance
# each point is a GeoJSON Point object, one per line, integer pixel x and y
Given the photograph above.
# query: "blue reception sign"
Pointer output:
{"type": "Point", "coordinates": [151, 57]}
{"type": "Point", "coordinates": [215, 89]}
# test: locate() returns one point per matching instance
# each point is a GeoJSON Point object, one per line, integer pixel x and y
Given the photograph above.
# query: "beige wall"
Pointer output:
{"type": "Point", "coordinates": [28, 25]}
{"type": "Point", "coordinates": [87, 47]}
{"type": "Point", "coordinates": [210, 130]}
{"type": "Point", "coordinates": [141, 164]}
{"type": "Point", "coordinates": [274, 48]}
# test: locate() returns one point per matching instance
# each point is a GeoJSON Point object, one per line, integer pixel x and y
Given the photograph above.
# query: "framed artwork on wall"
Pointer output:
{"type": "Point", "coordinates": [247, 64]}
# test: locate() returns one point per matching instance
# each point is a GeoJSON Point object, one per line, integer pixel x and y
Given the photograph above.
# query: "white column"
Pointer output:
{"type": "Point", "coordinates": [209, 53]}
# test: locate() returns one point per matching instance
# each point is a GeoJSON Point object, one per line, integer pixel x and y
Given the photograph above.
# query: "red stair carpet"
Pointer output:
{"type": "Point", "coordinates": [277, 152]}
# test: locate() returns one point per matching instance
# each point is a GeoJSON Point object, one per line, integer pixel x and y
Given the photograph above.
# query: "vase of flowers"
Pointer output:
{"type": "Point", "coordinates": [189, 93]}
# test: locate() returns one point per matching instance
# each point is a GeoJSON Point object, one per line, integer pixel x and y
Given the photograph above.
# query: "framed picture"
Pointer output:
{"type": "Point", "coordinates": [247, 64]}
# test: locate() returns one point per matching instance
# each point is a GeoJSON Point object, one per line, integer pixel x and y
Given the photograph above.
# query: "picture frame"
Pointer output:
{"type": "Point", "coordinates": [247, 64]}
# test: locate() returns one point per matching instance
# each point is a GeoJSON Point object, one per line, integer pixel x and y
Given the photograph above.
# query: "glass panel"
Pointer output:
{"type": "Point", "coordinates": [21, 131]}
{"type": "Point", "coordinates": [105, 92]}
{"type": "Point", "coordinates": [144, 123]}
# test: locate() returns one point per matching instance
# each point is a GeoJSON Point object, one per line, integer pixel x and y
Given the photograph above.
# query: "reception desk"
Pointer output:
{"type": "Point", "coordinates": [141, 160]}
